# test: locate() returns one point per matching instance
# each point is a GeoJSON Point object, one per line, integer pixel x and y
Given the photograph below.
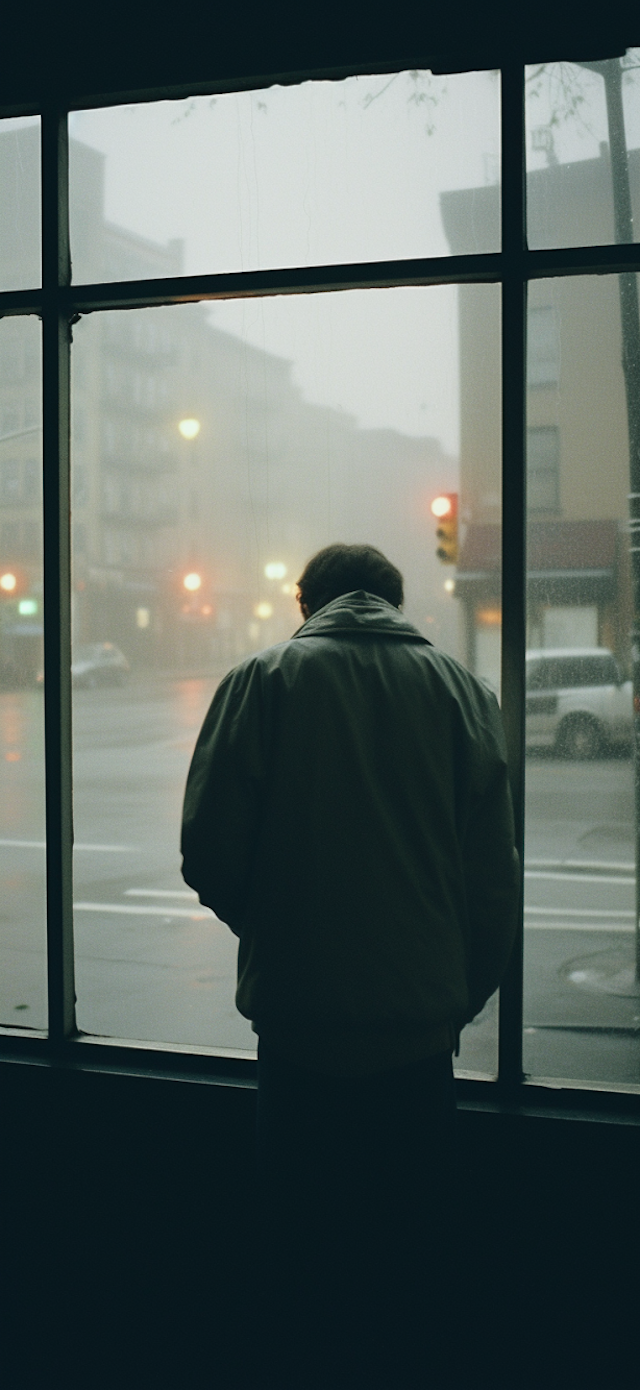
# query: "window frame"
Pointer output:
{"type": "Point", "coordinates": [59, 304]}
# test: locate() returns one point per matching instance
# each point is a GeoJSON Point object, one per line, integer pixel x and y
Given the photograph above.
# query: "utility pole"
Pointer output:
{"type": "Point", "coordinates": [611, 71]}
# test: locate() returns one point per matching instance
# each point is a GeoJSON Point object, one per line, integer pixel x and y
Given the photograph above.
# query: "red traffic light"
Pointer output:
{"type": "Point", "coordinates": [446, 505]}
{"type": "Point", "coordinates": [192, 582]}
{"type": "Point", "coordinates": [445, 510]}
{"type": "Point", "coordinates": [14, 581]}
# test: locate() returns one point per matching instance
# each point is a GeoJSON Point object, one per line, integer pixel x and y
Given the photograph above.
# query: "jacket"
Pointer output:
{"type": "Point", "coordinates": [348, 815]}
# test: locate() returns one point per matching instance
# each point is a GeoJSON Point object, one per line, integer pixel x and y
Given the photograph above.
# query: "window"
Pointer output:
{"type": "Point", "coordinates": [11, 482]}
{"type": "Point", "coordinates": [266, 345]}
{"type": "Point", "coordinates": [543, 469]}
{"type": "Point", "coordinates": [543, 363]}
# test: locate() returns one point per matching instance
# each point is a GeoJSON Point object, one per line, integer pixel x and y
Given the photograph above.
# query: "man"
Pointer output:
{"type": "Point", "coordinates": [348, 814]}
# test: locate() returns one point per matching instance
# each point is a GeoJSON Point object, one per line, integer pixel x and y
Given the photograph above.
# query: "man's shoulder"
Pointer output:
{"type": "Point", "coordinates": [425, 659]}
{"type": "Point", "coordinates": [459, 675]}
{"type": "Point", "coordinates": [260, 664]}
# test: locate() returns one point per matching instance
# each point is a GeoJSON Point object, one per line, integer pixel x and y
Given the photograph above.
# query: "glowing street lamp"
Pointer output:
{"type": "Point", "coordinates": [189, 428]}
{"type": "Point", "coordinates": [8, 583]}
{"type": "Point", "coordinates": [275, 570]}
{"type": "Point", "coordinates": [263, 610]}
{"type": "Point", "coordinates": [192, 582]}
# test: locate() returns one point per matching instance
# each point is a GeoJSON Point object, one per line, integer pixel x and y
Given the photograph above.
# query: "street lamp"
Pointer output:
{"type": "Point", "coordinates": [275, 570]}
{"type": "Point", "coordinates": [192, 582]}
{"type": "Point", "coordinates": [8, 583]}
{"type": "Point", "coordinates": [189, 428]}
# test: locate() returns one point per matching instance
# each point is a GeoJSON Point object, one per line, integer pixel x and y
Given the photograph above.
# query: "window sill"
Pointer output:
{"type": "Point", "coordinates": [542, 1098]}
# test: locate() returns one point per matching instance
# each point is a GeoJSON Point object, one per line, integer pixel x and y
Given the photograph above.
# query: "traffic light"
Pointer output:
{"type": "Point", "coordinates": [14, 581]}
{"type": "Point", "coordinates": [445, 510]}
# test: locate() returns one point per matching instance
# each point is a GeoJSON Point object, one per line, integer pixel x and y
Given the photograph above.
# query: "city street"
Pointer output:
{"type": "Point", "coordinates": [153, 964]}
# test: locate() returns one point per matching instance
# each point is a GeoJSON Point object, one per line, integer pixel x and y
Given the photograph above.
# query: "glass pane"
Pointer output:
{"type": "Point", "coordinates": [230, 442]}
{"type": "Point", "coordinates": [321, 173]}
{"type": "Point", "coordinates": [22, 864]}
{"type": "Point", "coordinates": [20, 203]}
{"type": "Point", "coordinates": [583, 152]}
{"type": "Point", "coordinates": [581, 999]}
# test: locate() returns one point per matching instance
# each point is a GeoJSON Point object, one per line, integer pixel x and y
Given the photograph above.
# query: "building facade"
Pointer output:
{"type": "Point", "coordinates": [577, 439]}
{"type": "Point", "coordinates": [194, 453]}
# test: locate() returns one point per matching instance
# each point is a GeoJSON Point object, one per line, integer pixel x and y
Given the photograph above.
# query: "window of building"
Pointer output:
{"type": "Point", "coordinates": [543, 361]}
{"type": "Point", "coordinates": [543, 468]}
{"type": "Point", "coordinates": [341, 339]}
{"type": "Point", "coordinates": [11, 482]}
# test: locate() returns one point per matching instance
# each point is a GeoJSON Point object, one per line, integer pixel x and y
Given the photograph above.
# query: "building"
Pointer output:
{"type": "Point", "coordinates": [577, 446]}
{"type": "Point", "coordinates": [151, 506]}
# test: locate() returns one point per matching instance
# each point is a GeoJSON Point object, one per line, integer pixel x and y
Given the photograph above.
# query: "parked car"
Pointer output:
{"type": "Point", "coordinates": [96, 663]}
{"type": "Point", "coordinates": [578, 702]}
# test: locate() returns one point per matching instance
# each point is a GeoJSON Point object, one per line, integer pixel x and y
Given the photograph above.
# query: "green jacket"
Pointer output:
{"type": "Point", "coordinates": [348, 814]}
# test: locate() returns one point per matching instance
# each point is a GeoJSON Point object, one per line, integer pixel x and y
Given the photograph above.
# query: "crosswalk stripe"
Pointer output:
{"type": "Point", "coordinates": [161, 893]}
{"type": "Point", "coordinates": [199, 914]}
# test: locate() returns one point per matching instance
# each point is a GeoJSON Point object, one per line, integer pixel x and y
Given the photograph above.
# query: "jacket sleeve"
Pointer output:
{"type": "Point", "coordinates": [492, 878]}
{"type": "Point", "coordinates": [223, 797]}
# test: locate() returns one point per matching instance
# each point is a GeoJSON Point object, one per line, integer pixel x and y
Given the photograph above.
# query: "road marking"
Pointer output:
{"type": "Point", "coordinates": [606, 928]}
{"type": "Point", "coordinates": [110, 849]}
{"type": "Point", "coordinates": [579, 912]}
{"type": "Point", "coordinates": [578, 878]}
{"type": "Point", "coordinates": [94, 849]}
{"type": "Point", "coordinates": [132, 909]}
{"type": "Point", "coordinates": [23, 844]}
{"type": "Point", "coordinates": [585, 864]}
{"type": "Point", "coordinates": [160, 893]}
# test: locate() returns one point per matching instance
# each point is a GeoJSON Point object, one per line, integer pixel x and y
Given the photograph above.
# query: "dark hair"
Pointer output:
{"type": "Point", "coordinates": [339, 569]}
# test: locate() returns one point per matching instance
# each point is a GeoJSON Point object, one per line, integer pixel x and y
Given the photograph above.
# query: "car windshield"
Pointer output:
{"type": "Point", "coordinates": [567, 672]}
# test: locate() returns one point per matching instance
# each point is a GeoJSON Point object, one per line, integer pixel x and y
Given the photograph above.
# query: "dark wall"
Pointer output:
{"type": "Point", "coordinates": [130, 44]}
{"type": "Point", "coordinates": [127, 1213]}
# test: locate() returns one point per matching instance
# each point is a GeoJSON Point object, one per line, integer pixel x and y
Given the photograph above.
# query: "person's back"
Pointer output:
{"type": "Point", "coordinates": [377, 759]}
{"type": "Point", "coordinates": [348, 814]}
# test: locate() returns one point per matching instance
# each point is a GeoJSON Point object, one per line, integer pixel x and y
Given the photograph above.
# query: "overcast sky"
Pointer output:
{"type": "Point", "coordinates": [329, 172]}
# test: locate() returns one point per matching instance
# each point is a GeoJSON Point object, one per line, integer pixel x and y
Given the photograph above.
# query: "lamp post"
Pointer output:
{"type": "Point", "coordinates": [610, 70]}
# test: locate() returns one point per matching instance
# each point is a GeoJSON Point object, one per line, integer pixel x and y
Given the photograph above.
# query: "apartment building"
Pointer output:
{"type": "Point", "coordinates": [194, 453]}
{"type": "Point", "coordinates": [577, 444]}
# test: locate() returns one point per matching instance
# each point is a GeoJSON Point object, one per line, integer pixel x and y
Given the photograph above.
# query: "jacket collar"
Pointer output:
{"type": "Point", "coordinates": [362, 613]}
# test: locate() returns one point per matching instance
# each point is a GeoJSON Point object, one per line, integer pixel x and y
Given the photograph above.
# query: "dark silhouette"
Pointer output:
{"type": "Point", "coordinates": [348, 814]}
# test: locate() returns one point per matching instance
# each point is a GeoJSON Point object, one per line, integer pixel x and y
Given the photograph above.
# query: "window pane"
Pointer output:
{"type": "Point", "coordinates": [581, 1004]}
{"type": "Point", "coordinates": [320, 173]}
{"type": "Point", "coordinates": [572, 153]}
{"type": "Point", "coordinates": [230, 442]}
{"type": "Point", "coordinates": [22, 876]}
{"type": "Point", "coordinates": [20, 203]}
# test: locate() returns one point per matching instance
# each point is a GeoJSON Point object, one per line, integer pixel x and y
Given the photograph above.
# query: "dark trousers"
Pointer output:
{"type": "Point", "coordinates": [358, 1239]}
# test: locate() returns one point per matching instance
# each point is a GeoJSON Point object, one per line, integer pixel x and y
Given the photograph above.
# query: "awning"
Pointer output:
{"type": "Point", "coordinates": [556, 550]}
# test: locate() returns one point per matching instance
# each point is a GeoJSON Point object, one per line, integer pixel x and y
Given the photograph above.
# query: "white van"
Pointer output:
{"type": "Point", "coordinates": [578, 702]}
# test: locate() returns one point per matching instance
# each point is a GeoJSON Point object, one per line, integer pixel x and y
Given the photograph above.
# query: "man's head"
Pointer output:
{"type": "Point", "coordinates": [339, 569]}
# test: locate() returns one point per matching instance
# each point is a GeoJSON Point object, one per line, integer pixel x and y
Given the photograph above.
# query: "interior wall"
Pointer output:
{"type": "Point", "coordinates": [127, 1209]}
